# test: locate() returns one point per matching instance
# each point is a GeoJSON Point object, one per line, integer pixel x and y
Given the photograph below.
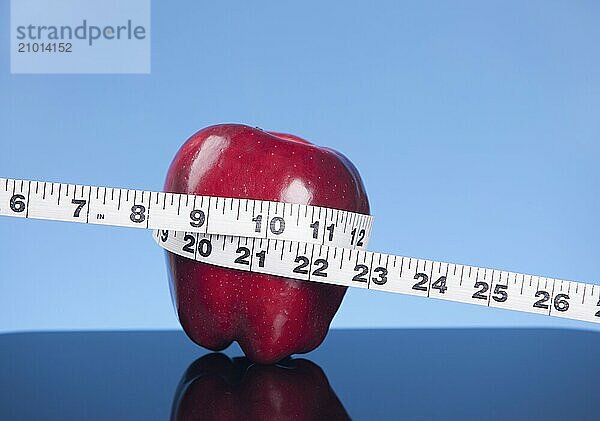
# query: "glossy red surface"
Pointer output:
{"type": "Point", "coordinates": [271, 317]}
{"type": "Point", "coordinates": [221, 389]}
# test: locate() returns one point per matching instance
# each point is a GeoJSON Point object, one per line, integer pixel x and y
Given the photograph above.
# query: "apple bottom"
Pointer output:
{"type": "Point", "coordinates": [269, 316]}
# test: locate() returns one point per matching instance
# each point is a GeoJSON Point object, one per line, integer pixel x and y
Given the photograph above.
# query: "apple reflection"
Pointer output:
{"type": "Point", "coordinates": [216, 387]}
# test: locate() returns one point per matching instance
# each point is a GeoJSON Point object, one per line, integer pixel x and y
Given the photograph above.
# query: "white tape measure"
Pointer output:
{"type": "Point", "coordinates": [296, 241]}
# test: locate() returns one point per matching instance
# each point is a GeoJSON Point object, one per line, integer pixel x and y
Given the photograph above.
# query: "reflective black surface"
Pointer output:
{"type": "Point", "coordinates": [377, 374]}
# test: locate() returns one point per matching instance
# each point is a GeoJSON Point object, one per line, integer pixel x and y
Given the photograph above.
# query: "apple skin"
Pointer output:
{"type": "Point", "coordinates": [215, 387]}
{"type": "Point", "coordinates": [271, 317]}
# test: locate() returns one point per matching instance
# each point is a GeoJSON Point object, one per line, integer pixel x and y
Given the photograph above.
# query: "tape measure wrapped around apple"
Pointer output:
{"type": "Point", "coordinates": [271, 317]}
{"type": "Point", "coordinates": [248, 216]}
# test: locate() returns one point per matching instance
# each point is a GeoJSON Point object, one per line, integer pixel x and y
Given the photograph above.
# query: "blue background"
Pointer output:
{"type": "Point", "coordinates": [475, 128]}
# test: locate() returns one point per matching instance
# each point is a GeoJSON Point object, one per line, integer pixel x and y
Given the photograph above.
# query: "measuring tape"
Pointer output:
{"type": "Point", "coordinates": [303, 242]}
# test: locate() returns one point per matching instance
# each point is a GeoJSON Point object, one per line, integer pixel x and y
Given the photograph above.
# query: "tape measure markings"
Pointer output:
{"type": "Point", "coordinates": [181, 212]}
{"type": "Point", "coordinates": [311, 244]}
{"type": "Point", "coordinates": [405, 275]}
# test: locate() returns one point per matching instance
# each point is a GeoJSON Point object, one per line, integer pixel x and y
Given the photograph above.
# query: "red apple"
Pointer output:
{"type": "Point", "coordinates": [269, 316]}
{"type": "Point", "coordinates": [217, 388]}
